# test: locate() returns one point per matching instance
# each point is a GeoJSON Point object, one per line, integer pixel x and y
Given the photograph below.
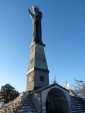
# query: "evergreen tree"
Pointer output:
{"type": "Point", "coordinates": [8, 93]}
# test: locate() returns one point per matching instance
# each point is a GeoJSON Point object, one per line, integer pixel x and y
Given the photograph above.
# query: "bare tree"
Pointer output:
{"type": "Point", "coordinates": [80, 88]}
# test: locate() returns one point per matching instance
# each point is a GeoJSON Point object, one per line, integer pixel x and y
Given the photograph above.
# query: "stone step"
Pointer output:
{"type": "Point", "coordinates": [26, 112]}
{"type": "Point", "coordinates": [78, 111]}
{"type": "Point", "coordinates": [77, 105]}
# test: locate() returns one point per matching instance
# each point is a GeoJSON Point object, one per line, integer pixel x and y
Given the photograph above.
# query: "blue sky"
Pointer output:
{"type": "Point", "coordinates": [63, 27]}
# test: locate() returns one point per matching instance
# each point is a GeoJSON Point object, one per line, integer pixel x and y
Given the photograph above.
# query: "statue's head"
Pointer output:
{"type": "Point", "coordinates": [35, 8]}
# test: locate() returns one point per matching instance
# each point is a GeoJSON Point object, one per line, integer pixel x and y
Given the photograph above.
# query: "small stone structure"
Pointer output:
{"type": "Point", "coordinates": [47, 98]}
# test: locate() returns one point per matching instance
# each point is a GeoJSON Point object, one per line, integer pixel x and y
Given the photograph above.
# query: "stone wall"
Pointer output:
{"type": "Point", "coordinates": [11, 107]}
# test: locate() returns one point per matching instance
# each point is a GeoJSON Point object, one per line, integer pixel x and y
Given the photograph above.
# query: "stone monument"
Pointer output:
{"type": "Point", "coordinates": [40, 96]}
{"type": "Point", "coordinates": [37, 73]}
